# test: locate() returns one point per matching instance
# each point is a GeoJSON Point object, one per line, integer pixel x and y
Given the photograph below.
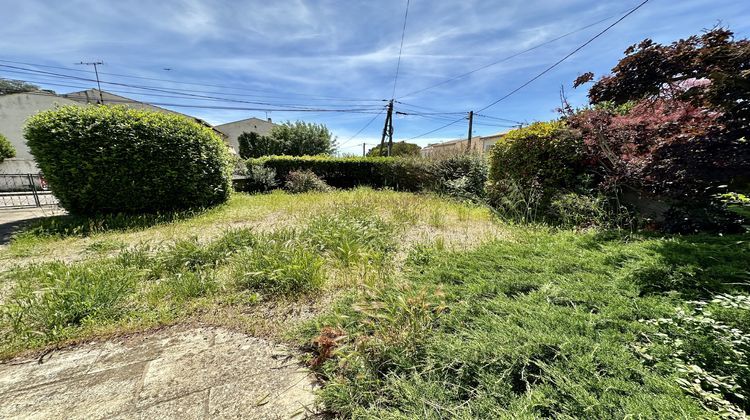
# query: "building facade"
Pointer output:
{"type": "Point", "coordinates": [15, 109]}
{"type": "Point", "coordinates": [479, 145]}
{"type": "Point", "coordinates": [233, 130]}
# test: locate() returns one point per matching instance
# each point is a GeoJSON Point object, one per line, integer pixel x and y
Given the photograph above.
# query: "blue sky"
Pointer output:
{"type": "Point", "coordinates": [342, 54]}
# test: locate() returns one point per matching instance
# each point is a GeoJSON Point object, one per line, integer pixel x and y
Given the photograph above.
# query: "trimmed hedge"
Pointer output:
{"type": "Point", "coordinates": [105, 159]}
{"type": "Point", "coordinates": [377, 172]}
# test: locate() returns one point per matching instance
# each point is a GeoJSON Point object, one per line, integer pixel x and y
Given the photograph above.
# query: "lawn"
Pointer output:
{"type": "Point", "coordinates": [411, 305]}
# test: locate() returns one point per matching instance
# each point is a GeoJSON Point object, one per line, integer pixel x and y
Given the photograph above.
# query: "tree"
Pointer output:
{"type": "Point", "coordinates": [300, 138]}
{"type": "Point", "coordinates": [291, 139]}
{"type": "Point", "coordinates": [400, 148]}
{"type": "Point", "coordinates": [8, 87]}
{"type": "Point", "coordinates": [672, 119]}
{"type": "Point", "coordinates": [711, 71]}
{"type": "Point", "coordinates": [253, 145]}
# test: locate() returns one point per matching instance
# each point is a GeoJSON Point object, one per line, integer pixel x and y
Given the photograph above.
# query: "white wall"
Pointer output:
{"type": "Point", "coordinates": [234, 129]}
{"type": "Point", "coordinates": [15, 109]}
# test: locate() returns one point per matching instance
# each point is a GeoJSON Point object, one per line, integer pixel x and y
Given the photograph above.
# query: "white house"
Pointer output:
{"type": "Point", "coordinates": [233, 130]}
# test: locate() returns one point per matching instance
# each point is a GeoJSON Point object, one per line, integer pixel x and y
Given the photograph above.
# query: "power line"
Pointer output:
{"type": "Point", "coordinates": [504, 59]}
{"type": "Point", "coordinates": [155, 89]}
{"type": "Point", "coordinates": [311, 97]}
{"type": "Point", "coordinates": [363, 128]}
{"type": "Point", "coordinates": [123, 101]}
{"type": "Point", "coordinates": [558, 62]}
{"type": "Point", "coordinates": [437, 129]}
{"type": "Point", "coordinates": [400, 49]}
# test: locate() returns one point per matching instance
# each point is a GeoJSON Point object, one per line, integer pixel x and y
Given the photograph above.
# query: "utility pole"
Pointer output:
{"type": "Point", "coordinates": [387, 130]}
{"type": "Point", "coordinates": [96, 71]}
{"type": "Point", "coordinates": [363, 149]}
{"type": "Point", "coordinates": [390, 129]}
{"type": "Point", "coordinates": [471, 122]}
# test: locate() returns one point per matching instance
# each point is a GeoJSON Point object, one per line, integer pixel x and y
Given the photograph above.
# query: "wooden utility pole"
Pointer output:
{"type": "Point", "coordinates": [363, 149]}
{"type": "Point", "coordinates": [96, 71]}
{"type": "Point", "coordinates": [387, 130]}
{"type": "Point", "coordinates": [471, 122]}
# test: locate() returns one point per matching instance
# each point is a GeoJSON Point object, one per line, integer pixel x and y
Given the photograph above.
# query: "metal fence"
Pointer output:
{"type": "Point", "coordinates": [24, 190]}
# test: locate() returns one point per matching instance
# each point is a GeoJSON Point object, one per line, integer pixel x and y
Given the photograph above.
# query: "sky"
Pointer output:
{"type": "Point", "coordinates": [273, 58]}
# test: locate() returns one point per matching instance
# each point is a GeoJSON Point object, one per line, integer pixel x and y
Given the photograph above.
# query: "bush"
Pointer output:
{"type": "Point", "coordinates": [107, 159]}
{"type": "Point", "coordinates": [531, 165]}
{"type": "Point", "coordinates": [462, 176]}
{"type": "Point", "coordinates": [545, 153]}
{"type": "Point", "coordinates": [377, 172]}
{"type": "Point", "coordinates": [258, 179]}
{"type": "Point", "coordinates": [305, 181]}
{"type": "Point", "coordinates": [6, 149]}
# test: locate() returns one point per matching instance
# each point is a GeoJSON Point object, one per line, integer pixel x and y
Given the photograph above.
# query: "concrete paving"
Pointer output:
{"type": "Point", "coordinates": [194, 373]}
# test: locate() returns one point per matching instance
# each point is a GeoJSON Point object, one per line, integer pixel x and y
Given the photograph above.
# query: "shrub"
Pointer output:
{"type": "Point", "coordinates": [6, 149]}
{"type": "Point", "coordinates": [305, 181]}
{"type": "Point", "coordinates": [463, 175]}
{"type": "Point", "coordinates": [113, 159]}
{"type": "Point", "coordinates": [258, 178]}
{"type": "Point", "coordinates": [545, 157]}
{"type": "Point", "coordinates": [377, 172]}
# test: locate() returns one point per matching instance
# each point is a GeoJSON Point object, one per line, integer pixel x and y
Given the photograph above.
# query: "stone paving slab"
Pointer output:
{"type": "Point", "coordinates": [195, 373]}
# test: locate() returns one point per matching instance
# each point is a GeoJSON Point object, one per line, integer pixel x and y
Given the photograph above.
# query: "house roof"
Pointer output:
{"type": "Point", "coordinates": [251, 119]}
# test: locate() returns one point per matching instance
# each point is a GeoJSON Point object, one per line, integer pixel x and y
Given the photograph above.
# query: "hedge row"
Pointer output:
{"type": "Point", "coordinates": [377, 172]}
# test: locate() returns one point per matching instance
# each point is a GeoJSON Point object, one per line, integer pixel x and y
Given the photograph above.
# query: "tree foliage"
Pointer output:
{"type": "Point", "coordinates": [672, 119]}
{"type": "Point", "coordinates": [400, 148]}
{"type": "Point", "coordinates": [8, 87]}
{"type": "Point", "coordinates": [6, 149]}
{"type": "Point", "coordinates": [291, 139]}
{"type": "Point", "coordinates": [254, 145]}
{"type": "Point", "coordinates": [107, 159]}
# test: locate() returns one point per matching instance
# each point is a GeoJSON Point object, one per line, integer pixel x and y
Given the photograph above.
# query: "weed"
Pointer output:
{"type": "Point", "coordinates": [278, 267]}
{"type": "Point", "coordinates": [351, 235]}
{"type": "Point", "coordinates": [50, 301]}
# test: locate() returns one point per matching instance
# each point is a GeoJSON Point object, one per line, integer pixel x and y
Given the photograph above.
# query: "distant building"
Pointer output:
{"type": "Point", "coordinates": [15, 109]}
{"type": "Point", "coordinates": [479, 145]}
{"type": "Point", "coordinates": [233, 130]}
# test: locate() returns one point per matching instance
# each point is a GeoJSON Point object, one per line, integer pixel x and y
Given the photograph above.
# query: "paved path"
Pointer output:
{"type": "Point", "coordinates": [186, 374]}
{"type": "Point", "coordinates": [12, 219]}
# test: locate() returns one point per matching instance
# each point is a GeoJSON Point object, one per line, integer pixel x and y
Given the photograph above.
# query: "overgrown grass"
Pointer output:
{"type": "Point", "coordinates": [437, 310]}
{"type": "Point", "coordinates": [552, 324]}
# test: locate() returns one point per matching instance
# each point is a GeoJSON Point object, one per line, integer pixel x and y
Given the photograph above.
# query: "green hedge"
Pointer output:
{"type": "Point", "coordinates": [377, 172]}
{"type": "Point", "coordinates": [104, 159]}
{"type": "Point", "coordinates": [545, 156]}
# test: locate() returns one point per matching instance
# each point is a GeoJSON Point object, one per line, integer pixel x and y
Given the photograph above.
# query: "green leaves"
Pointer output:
{"type": "Point", "coordinates": [104, 159]}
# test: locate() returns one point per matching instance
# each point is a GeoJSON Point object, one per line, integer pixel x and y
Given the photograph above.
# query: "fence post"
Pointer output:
{"type": "Point", "coordinates": [33, 190]}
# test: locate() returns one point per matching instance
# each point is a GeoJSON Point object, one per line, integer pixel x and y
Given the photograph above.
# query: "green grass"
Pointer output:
{"type": "Point", "coordinates": [124, 274]}
{"type": "Point", "coordinates": [422, 307]}
{"type": "Point", "coordinates": [552, 324]}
